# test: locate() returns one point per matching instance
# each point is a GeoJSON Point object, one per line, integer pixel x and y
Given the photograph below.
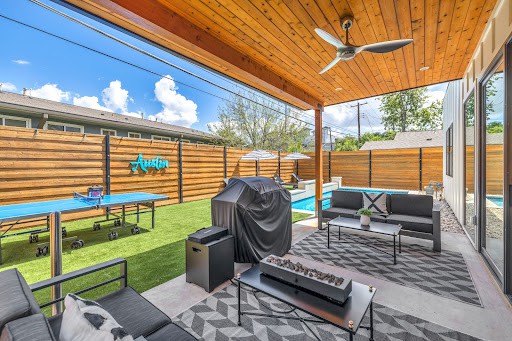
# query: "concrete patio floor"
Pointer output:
{"type": "Point", "coordinates": [493, 321]}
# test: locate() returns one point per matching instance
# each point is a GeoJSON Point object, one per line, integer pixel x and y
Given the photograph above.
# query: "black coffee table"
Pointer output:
{"type": "Point", "coordinates": [374, 227]}
{"type": "Point", "coordinates": [347, 316]}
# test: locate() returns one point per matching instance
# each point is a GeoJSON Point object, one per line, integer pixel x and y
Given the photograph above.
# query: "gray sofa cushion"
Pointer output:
{"type": "Point", "coordinates": [347, 199]}
{"type": "Point", "coordinates": [412, 204]}
{"type": "Point", "coordinates": [132, 311]}
{"type": "Point", "coordinates": [29, 328]}
{"type": "Point", "coordinates": [335, 212]}
{"type": "Point", "coordinates": [412, 223]}
{"type": "Point", "coordinates": [170, 332]}
{"type": "Point", "coordinates": [16, 299]}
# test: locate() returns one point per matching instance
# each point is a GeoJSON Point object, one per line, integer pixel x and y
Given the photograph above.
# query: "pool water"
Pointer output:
{"type": "Point", "coordinates": [308, 204]}
{"type": "Point", "coordinates": [498, 201]}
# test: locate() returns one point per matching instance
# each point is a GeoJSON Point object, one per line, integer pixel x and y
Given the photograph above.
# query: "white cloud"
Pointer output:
{"type": "Point", "coordinates": [433, 96]}
{"type": "Point", "coordinates": [21, 62]}
{"type": "Point", "coordinates": [6, 86]}
{"type": "Point", "coordinates": [50, 92]}
{"type": "Point", "coordinates": [176, 108]}
{"type": "Point", "coordinates": [115, 97]}
{"type": "Point", "coordinates": [132, 114]}
{"type": "Point", "coordinates": [89, 102]}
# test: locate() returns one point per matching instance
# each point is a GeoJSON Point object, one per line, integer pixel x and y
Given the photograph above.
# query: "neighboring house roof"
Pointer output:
{"type": "Point", "coordinates": [409, 139]}
{"type": "Point", "coordinates": [32, 105]}
{"type": "Point", "coordinates": [496, 138]}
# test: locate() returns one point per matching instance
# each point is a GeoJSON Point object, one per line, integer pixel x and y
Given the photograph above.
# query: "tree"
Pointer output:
{"type": "Point", "coordinates": [490, 92]}
{"type": "Point", "coordinates": [495, 127]}
{"type": "Point", "coordinates": [248, 121]}
{"type": "Point", "coordinates": [407, 110]}
{"type": "Point", "coordinates": [349, 143]}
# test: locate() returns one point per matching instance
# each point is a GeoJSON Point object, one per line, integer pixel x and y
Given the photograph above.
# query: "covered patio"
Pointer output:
{"type": "Point", "coordinates": [272, 47]}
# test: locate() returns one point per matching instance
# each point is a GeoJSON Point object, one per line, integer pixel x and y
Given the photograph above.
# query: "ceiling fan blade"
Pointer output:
{"type": "Point", "coordinates": [329, 38]}
{"type": "Point", "coordinates": [331, 64]}
{"type": "Point", "coordinates": [385, 46]}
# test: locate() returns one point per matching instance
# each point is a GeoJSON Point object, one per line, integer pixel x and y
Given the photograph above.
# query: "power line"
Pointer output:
{"type": "Point", "coordinates": [340, 129]}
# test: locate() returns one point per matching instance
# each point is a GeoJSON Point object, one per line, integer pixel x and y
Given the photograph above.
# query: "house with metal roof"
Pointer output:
{"type": "Point", "coordinates": [31, 112]}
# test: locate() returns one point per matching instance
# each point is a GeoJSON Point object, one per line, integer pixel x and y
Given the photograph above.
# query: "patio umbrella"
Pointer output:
{"type": "Point", "coordinates": [296, 157]}
{"type": "Point", "coordinates": [258, 155]}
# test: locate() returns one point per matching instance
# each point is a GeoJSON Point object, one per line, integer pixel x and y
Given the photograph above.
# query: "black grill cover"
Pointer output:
{"type": "Point", "coordinates": [257, 212]}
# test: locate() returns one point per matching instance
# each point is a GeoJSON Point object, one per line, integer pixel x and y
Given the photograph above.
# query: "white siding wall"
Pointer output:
{"type": "Point", "coordinates": [453, 114]}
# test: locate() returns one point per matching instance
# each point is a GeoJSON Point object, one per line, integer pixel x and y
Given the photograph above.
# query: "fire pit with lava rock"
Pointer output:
{"type": "Point", "coordinates": [313, 280]}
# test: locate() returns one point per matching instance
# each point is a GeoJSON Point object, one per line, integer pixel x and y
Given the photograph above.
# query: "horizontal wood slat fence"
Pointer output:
{"type": "Point", "coordinates": [409, 169]}
{"type": "Point", "coordinates": [42, 165]}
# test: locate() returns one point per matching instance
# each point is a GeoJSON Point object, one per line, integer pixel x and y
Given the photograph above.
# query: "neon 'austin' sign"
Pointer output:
{"type": "Point", "coordinates": [157, 163]}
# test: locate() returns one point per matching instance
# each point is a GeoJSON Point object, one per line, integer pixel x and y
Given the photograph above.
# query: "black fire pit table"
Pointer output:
{"type": "Point", "coordinates": [347, 316]}
{"type": "Point", "coordinates": [374, 227]}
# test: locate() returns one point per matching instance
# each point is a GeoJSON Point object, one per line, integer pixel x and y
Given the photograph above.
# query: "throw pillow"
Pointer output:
{"type": "Point", "coordinates": [375, 202]}
{"type": "Point", "coordinates": [87, 320]}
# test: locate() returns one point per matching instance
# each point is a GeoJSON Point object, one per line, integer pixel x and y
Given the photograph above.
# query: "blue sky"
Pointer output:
{"type": "Point", "coordinates": [58, 70]}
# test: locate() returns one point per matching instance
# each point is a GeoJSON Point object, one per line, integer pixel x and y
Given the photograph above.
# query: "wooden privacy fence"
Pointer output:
{"type": "Point", "coordinates": [409, 169]}
{"type": "Point", "coordinates": [39, 165]}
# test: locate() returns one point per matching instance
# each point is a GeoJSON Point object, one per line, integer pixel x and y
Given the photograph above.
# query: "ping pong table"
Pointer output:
{"type": "Point", "coordinates": [12, 215]}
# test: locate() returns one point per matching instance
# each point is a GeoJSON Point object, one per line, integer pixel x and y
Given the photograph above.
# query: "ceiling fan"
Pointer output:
{"type": "Point", "coordinates": [347, 51]}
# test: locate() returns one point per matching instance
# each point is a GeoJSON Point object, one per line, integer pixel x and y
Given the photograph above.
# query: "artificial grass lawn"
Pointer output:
{"type": "Point", "coordinates": [154, 256]}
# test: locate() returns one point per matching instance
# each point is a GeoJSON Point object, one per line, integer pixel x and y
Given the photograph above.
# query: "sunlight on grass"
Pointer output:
{"type": "Point", "coordinates": [154, 256]}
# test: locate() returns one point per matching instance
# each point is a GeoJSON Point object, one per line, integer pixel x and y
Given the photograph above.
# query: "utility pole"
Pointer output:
{"type": "Point", "coordinates": [358, 105]}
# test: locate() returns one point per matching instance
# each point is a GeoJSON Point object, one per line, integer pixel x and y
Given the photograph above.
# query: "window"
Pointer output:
{"type": "Point", "coordinates": [185, 140]}
{"type": "Point", "coordinates": [134, 135]}
{"type": "Point", "coordinates": [110, 132]}
{"type": "Point", "coordinates": [449, 151]}
{"type": "Point", "coordinates": [160, 138]}
{"type": "Point", "coordinates": [13, 121]}
{"type": "Point", "coordinates": [71, 128]}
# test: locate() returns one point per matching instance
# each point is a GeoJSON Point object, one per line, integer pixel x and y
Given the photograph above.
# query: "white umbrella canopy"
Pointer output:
{"type": "Point", "coordinates": [296, 156]}
{"type": "Point", "coordinates": [259, 154]}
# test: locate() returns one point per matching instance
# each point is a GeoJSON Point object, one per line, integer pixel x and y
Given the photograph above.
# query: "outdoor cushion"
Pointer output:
{"type": "Point", "coordinates": [375, 202]}
{"type": "Point", "coordinates": [412, 204]}
{"type": "Point", "coordinates": [30, 328]}
{"type": "Point", "coordinates": [347, 199]}
{"type": "Point", "coordinates": [170, 332]}
{"type": "Point", "coordinates": [85, 320]}
{"type": "Point", "coordinates": [132, 311]}
{"type": "Point", "coordinates": [16, 299]}
{"type": "Point", "coordinates": [335, 212]}
{"type": "Point", "coordinates": [412, 223]}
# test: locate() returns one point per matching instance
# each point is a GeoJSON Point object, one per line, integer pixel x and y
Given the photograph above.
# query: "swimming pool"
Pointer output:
{"type": "Point", "coordinates": [308, 204]}
{"type": "Point", "coordinates": [497, 200]}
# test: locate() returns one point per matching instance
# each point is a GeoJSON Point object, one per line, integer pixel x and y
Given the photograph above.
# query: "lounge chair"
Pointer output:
{"type": "Point", "coordinates": [296, 177]}
{"type": "Point", "coordinates": [280, 181]}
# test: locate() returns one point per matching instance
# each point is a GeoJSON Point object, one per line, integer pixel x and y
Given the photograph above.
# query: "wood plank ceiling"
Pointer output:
{"type": "Point", "coordinates": [279, 36]}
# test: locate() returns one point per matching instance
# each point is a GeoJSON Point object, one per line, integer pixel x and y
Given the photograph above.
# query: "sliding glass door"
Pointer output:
{"type": "Point", "coordinates": [470, 207]}
{"type": "Point", "coordinates": [492, 136]}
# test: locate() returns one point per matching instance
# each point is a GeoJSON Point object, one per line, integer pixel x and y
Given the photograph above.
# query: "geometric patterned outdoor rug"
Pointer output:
{"type": "Point", "coordinates": [444, 274]}
{"type": "Point", "coordinates": [215, 318]}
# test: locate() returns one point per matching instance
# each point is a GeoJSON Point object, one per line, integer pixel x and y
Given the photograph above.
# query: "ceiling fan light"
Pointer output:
{"type": "Point", "coordinates": [425, 68]}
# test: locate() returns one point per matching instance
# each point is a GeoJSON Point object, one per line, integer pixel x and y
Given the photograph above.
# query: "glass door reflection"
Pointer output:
{"type": "Point", "coordinates": [493, 137]}
{"type": "Point", "coordinates": [469, 114]}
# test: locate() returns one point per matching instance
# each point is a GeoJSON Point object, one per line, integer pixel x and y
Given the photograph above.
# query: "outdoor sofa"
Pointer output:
{"type": "Point", "coordinates": [416, 213]}
{"type": "Point", "coordinates": [21, 317]}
